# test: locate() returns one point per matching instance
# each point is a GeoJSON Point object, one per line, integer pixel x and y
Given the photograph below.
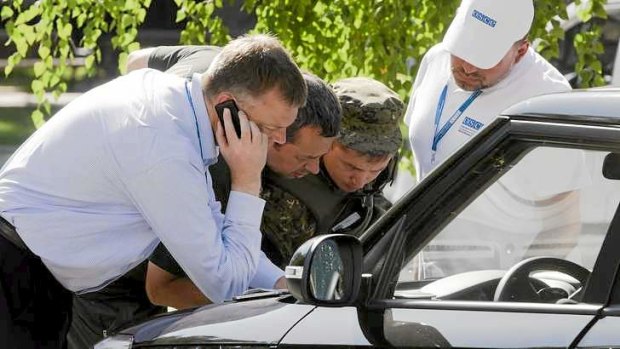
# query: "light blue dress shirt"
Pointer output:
{"type": "Point", "coordinates": [119, 169]}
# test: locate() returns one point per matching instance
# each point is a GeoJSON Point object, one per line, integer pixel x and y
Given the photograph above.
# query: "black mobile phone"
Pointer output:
{"type": "Point", "coordinates": [234, 114]}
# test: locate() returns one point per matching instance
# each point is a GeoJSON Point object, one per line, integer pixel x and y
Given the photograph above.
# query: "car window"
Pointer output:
{"type": "Point", "coordinates": [544, 219]}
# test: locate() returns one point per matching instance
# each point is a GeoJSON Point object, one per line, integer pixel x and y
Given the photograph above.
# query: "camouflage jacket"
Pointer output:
{"type": "Point", "coordinates": [298, 209]}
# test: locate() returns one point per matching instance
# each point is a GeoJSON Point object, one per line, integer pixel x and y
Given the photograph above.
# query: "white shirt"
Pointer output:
{"type": "Point", "coordinates": [532, 76]}
{"type": "Point", "coordinates": [119, 169]}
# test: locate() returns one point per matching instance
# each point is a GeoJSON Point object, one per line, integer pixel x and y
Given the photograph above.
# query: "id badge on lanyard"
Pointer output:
{"type": "Point", "coordinates": [440, 133]}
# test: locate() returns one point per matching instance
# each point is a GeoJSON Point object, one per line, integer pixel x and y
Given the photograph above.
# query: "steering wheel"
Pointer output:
{"type": "Point", "coordinates": [515, 285]}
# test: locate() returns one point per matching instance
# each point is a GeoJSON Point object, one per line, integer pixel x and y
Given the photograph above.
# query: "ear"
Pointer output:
{"type": "Point", "coordinates": [222, 97]}
{"type": "Point", "coordinates": [210, 103]}
{"type": "Point", "coordinates": [522, 50]}
{"type": "Point", "coordinates": [335, 144]}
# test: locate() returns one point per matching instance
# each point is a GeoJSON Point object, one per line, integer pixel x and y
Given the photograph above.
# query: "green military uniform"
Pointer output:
{"type": "Point", "coordinates": [298, 209]}
{"type": "Point", "coordinates": [371, 115]}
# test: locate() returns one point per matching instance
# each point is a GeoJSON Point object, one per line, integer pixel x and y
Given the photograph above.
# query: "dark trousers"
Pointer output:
{"type": "Point", "coordinates": [118, 305]}
{"type": "Point", "coordinates": [35, 310]}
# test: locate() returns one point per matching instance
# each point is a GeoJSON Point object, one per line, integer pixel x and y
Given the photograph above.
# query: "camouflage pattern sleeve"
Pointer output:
{"type": "Point", "coordinates": [287, 223]}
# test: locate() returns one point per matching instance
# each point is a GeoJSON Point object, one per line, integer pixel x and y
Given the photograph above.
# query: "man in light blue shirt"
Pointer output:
{"type": "Point", "coordinates": [124, 166]}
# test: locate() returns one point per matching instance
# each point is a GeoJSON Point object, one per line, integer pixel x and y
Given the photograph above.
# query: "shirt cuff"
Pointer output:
{"type": "Point", "coordinates": [267, 273]}
{"type": "Point", "coordinates": [245, 208]}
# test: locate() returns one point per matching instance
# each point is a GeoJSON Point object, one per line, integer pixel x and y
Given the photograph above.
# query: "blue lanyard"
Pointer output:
{"type": "Point", "coordinates": [191, 104]}
{"type": "Point", "coordinates": [438, 136]}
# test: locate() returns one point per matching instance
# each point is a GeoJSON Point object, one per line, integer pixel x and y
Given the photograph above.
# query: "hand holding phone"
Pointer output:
{"type": "Point", "coordinates": [244, 155]}
{"type": "Point", "coordinates": [234, 114]}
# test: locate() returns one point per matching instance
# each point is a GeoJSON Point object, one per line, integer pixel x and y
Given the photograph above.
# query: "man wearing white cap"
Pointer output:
{"type": "Point", "coordinates": [484, 65]}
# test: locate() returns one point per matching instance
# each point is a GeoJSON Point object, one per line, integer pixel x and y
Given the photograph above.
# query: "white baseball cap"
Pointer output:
{"type": "Point", "coordinates": [483, 31]}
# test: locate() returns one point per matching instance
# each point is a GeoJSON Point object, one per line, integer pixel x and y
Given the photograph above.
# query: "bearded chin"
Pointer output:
{"type": "Point", "coordinates": [468, 87]}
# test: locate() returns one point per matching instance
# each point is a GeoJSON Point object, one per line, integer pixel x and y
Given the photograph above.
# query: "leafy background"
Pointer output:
{"type": "Point", "coordinates": [383, 39]}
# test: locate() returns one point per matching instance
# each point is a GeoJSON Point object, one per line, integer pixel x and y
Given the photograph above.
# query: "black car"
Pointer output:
{"type": "Point", "coordinates": [422, 277]}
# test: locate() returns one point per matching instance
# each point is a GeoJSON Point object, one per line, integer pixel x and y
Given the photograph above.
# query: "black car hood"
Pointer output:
{"type": "Point", "coordinates": [261, 321]}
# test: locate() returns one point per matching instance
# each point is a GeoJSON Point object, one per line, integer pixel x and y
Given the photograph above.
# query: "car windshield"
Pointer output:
{"type": "Point", "coordinates": [554, 203]}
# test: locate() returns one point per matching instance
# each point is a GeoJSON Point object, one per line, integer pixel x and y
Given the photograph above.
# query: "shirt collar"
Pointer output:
{"type": "Point", "coordinates": [210, 150]}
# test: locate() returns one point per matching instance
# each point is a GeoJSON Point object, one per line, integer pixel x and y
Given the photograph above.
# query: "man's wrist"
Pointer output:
{"type": "Point", "coordinates": [281, 284]}
{"type": "Point", "coordinates": [248, 187]}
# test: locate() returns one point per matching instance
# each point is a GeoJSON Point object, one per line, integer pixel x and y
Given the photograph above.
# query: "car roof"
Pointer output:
{"type": "Point", "coordinates": [597, 105]}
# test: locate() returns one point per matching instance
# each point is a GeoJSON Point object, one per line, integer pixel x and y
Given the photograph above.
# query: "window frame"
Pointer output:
{"type": "Point", "coordinates": [430, 205]}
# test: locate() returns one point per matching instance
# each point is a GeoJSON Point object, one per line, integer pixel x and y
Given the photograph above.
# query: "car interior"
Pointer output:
{"type": "Point", "coordinates": [544, 254]}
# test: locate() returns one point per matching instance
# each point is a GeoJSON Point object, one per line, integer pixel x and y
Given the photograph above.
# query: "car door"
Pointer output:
{"type": "Point", "coordinates": [603, 332]}
{"type": "Point", "coordinates": [508, 244]}
{"type": "Point", "coordinates": [327, 327]}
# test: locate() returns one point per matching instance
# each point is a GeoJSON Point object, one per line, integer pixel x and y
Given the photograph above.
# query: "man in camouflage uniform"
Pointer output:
{"type": "Point", "coordinates": [345, 196]}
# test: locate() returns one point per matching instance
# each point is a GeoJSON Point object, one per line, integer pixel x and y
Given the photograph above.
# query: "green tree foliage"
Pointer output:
{"type": "Point", "coordinates": [48, 27]}
{"type": "Point", "coordinates": [54, 28]}
{"type": "Point", "coordinates": [338, 38]}
{"type": "Point", "coordinates": [548, 33]}
{"type": "Point", "coordinates": [384, 39]}
{"type": "Point", "coordinates": [199, 19]}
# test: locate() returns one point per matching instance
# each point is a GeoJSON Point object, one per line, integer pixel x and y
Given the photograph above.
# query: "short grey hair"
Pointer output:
{"type": "Point", "coordinates": [252, 65]}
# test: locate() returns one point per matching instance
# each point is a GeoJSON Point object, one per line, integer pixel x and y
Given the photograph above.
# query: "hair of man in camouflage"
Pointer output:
{"type": "Point", "coordinates": [371, 115]}
{"type": "Point", "coordinates": [322, 110]}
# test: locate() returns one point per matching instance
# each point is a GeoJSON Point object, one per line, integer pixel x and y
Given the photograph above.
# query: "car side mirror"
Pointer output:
{"type": "Point", "coordinates": [611, 166]}
{"type": "Point", "coordinates": [326, 270]}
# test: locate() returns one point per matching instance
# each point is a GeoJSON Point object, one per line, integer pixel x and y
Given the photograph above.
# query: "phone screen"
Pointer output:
{"type": "Point", "coordinates": [234, 113]}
